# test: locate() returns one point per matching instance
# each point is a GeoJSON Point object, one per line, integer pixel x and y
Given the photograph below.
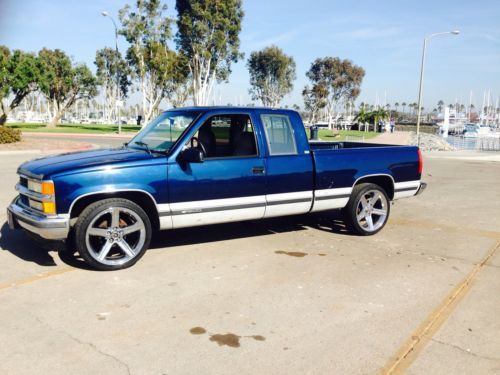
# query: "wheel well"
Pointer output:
{"type": "Point", "coordinates": [139, 198]}
{"type": "Point", "coordinates": [385, 182]}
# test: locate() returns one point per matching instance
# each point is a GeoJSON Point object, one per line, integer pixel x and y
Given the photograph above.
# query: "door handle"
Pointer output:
{"type": "Point", "coordinates": [258, 170]}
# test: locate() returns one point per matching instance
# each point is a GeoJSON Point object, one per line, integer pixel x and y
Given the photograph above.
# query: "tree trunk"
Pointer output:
{"type": "Point", "coordinates": [3, 119]}
{"type": "Point", "coordinates": [55, 120]}
{"type": "Point", "coordinates": [5, 109]}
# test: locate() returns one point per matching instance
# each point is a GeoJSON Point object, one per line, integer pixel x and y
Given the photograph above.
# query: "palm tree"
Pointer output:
{"type": "Point", "coordinates": [377, 115]}
{"type": "Point", "coordinates": [363, 117]}
{"type": "Point", "coordinates": [440, 105]}
{"type": "Point", "coordinates": [404, 106]}
{"type": "Point", "coordinates": [396, 105]}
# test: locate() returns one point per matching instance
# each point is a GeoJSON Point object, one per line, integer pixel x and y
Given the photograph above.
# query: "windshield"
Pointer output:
{"type": "Point", "coordinates": [161, 133]}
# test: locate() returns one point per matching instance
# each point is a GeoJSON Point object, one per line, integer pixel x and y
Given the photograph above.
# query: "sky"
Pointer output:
{"type": "Point", "coordinates": [384, 37]}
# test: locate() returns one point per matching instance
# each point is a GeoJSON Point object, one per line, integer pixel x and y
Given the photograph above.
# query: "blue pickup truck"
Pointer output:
{"type": "Point", "coordinates": [199, 166]}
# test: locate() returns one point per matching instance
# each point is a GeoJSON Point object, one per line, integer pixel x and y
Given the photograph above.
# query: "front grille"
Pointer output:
{"type": "Point", "coordinates": [24, 200]}
{"type": "Point", "coordinates": [23, 181]}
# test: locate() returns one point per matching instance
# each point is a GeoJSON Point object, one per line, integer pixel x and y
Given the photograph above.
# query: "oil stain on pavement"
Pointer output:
{"type": "Point", "coordinates": [297, 254]}
{"type": "Point", "coordinates": [198, 330]}
{"type": "Point", "coordinates": [228, 339]}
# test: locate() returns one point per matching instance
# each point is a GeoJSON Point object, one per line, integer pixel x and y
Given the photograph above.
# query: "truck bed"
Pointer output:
{"type": "Point", "coordinates": [341, 164]}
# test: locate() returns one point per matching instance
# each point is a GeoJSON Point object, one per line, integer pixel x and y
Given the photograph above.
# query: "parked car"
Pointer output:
{"type": "Point", "coordinates": [199, 166]}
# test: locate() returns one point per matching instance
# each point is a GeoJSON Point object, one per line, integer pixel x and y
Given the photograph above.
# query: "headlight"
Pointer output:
{"type": "Point", "coordinates": [36, 205]}
{"type": "Point", "coordinates": [45, 187]}
{"type": "Point", "coordinates": [35, 186]}
{"type": "Point", "coordinates": [45, 207]}
{"type": "Point", "coordinates": [47, 203]}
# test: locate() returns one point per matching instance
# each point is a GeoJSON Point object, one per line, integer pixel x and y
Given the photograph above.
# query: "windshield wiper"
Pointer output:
{"type": "Point", "coordinates": [148, 149]}
{"type": "Point", "coordinates": [144, 144]}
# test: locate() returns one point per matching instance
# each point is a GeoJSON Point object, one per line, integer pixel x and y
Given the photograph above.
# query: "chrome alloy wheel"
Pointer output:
{"type": "Point", "coordinates": [115, 236]}
{"type": "Point", "coordinates": [371, 211]}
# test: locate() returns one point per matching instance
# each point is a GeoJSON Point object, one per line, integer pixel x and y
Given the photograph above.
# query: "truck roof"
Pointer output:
{"type": "Point", "coordinates": [232, 108]}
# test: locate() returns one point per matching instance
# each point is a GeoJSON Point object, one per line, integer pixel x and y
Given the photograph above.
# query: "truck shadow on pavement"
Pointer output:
{"type": "Point", "coordinates": [29, 249]}
{"type": "Point", "coordinates": [18, 243]}
{"type": "Point", "coordinates": [329, 222]}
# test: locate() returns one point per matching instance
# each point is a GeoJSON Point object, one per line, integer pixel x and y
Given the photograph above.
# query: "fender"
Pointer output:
{"type": "Point", "coordinates": [110, 191]}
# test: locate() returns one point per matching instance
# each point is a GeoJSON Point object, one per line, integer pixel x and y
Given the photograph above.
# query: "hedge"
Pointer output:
{"type": "Point", "coordinates": [8, 135]}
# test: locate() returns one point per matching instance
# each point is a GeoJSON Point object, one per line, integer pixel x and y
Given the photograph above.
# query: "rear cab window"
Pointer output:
{"type": "Point", "coordinates": [280, 136]}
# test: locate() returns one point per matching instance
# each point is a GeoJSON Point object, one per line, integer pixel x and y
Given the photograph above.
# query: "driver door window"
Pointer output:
{"type": "Point", "coordinates": [226, 136]}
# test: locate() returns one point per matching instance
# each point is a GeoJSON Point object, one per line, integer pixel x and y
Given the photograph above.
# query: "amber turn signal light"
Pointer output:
{"type": "Point", "coordinates": [48, 188]}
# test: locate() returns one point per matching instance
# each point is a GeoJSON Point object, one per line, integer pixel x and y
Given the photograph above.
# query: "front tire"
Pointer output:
{"type": "Point", "coordinates": [368, 209]}
{"type": "Point", "coordinates": [112, 234]}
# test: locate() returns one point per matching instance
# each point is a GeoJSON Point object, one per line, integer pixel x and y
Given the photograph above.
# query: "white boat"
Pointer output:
{"type": "Point", "coordinates": [476, 130]}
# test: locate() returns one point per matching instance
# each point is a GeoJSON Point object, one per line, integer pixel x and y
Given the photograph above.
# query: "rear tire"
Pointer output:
{"type": "Point", "coordinates": [112, 234]}
{"type": "Point", "coordinates": [368, 209]}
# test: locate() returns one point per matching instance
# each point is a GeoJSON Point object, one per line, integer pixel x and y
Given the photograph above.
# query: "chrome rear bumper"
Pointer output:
{"type": "Point", "coordinates": [421, 188]}
{"type": "Point", "coordinates": [48, 227]}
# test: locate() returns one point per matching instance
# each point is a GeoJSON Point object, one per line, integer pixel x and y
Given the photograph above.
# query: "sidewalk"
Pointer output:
{"type": "Point", "coordinates": [493, 156]}
{"type": "Point", "coordinates": [30, 146]}
{"type": "Point", "coordinates": [396, 138]}
{"type": "Point", "coordinates": [127, 135]}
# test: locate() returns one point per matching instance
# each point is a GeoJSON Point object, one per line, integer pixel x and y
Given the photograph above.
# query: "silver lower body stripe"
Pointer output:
{"type": "Point", "coordinates": [332, 197]}
{"type": "Point", "coordinates": [329, 199]}
{"type": "Point", "coordinates": [406, 189]}
{"type": "Point", "coordinates": [214, 209]}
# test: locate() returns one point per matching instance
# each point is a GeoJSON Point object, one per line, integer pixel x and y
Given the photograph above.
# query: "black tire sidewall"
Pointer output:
{"type": "Point", "coordinates": [94, 209]}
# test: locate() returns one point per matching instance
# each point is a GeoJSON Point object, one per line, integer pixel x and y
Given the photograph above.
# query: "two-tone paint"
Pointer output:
{"type": "Point", "coordinates": [319, 176]}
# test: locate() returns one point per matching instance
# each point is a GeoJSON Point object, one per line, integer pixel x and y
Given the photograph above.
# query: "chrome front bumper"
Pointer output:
{"type": "Point", "coordinates": [48, 227]}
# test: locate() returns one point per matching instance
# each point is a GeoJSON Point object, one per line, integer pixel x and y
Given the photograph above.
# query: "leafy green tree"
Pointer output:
{"type": "Point", "coordinates": [19, 76]}
{"type": "Point", "coordinates": [315, 99]}
{"type": "Point", "coordinates": [160, 72]}
{"type": "Point", "coordinates": [208, 35]}
{"type": "Point", "coordinates": [63, 83]}
{"type": "Point", "coordinates": [271, 75]}
{"type": "Point", "coordinates": [113, 77]}
{"type": "Point", "coordinates": [341, 78]}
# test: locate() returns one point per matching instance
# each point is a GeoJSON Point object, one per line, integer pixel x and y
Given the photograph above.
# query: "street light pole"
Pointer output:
{"type": "Point", "coordinates": [422, 68]}
{"type": "Point", "coordinates": [117, 109]}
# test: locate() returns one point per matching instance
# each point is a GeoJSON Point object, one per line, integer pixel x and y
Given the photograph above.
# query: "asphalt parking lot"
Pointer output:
{"type": "Point", "coordinates": [293, 295]}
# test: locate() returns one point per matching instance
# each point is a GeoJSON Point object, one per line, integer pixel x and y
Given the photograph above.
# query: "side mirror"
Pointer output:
{"type": "Point", "coordinates": [192, 155]}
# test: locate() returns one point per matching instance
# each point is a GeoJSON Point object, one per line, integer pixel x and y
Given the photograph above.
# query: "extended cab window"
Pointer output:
{"type": "Point", "coordinates": [279, 134]}
{"type": "Point", "coordinates": [228, 136]}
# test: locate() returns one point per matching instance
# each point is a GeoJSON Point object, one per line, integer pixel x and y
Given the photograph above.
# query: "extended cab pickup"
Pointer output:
{"type": "Point", "coordinates": [198, 166]}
